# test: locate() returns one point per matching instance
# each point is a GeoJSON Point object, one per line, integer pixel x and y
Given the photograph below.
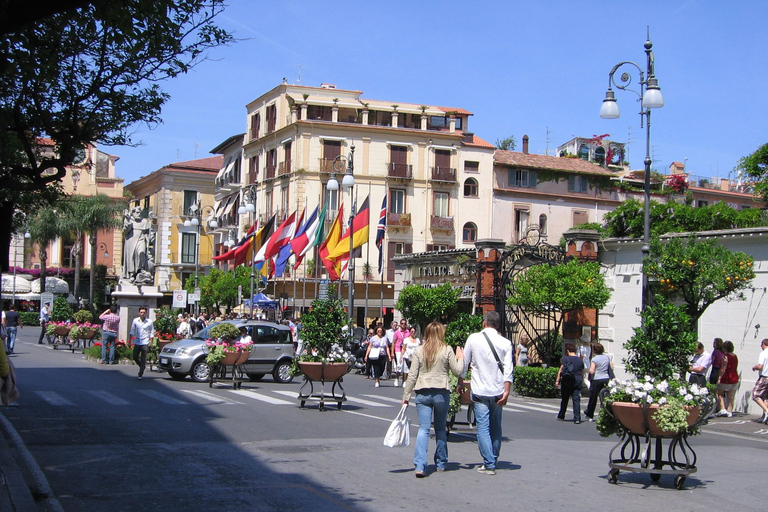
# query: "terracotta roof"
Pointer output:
{"type": "Point", "coordinates": [212, 163]}
{"type": "Point", "coordinates": [457, 110]}
{"type": "Point", "coordinates": [516, 159]}
{"type": "Point", "coordinates": [477, 141]}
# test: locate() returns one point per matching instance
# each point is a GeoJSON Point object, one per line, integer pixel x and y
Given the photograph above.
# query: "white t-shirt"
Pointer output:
{"type": "Point", "coordinates": [763, 360]}
{"type": "Point", "coordinates": [410, 345]}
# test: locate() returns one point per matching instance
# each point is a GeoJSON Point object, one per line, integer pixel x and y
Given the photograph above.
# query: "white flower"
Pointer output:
{"type": "Point", "coordinates": [695, 389]}
{"type": "Point", "coordinates": [662, 400]}
{"type": "Point", "coordinates": [648, 386]}
{"type": "Point", "coordinates": [688, 397]}
{"type": "Point", "coordinates": [649, 399]}
{"type": "Point", "coordinates": [647, 378]}
{"type": "Point", "coordinates": [682, 391]}
{"type": "Point", "coordinates": [662, 386]}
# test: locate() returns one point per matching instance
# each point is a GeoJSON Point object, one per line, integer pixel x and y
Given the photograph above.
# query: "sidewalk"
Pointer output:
{"type": "Point", "coordinates": [15, 493]}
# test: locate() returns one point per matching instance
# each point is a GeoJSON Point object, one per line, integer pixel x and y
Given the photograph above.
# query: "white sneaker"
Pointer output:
{"type": "Point", "coordinates": [728, 414]}
{"type": "Point", "coordinates": [376, 385]}
{"type": "Point", "coordinates": [721, 413]}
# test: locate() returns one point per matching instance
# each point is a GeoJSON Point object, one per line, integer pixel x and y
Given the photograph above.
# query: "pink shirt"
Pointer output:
{"type": "Point", "coordinates": [399, 336]}
{"type": "Point", "coordinates": [111, 321]}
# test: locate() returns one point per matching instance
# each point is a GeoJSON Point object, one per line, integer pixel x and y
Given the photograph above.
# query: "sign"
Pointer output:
{"type": "Point", "coordinates": [193, 298]}
{"type": "Point", "coordinates": [323, 290]}
{"type": "Point", "coordinates": [179, 298]}
{"type": "Point", "coordinates": [46, 297]}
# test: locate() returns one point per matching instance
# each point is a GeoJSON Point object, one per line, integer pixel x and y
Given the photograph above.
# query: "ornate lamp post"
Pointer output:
{"type": "Point", "coordinates": [347, 165]}
{"type": "Point", "coordinates": [194, 218]}
{"type": "Point", "coordinates": [249, 208]}
{"type": "Point", "coordinates": [650, 97]}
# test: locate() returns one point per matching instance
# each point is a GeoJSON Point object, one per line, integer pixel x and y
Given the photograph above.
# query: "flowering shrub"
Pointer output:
{"type": "Point", "coordinates": [53, 325]}
{"type": "Point", "coordinates": [79, 330]}
{"type": "Point", "coordinates": [218, 349]}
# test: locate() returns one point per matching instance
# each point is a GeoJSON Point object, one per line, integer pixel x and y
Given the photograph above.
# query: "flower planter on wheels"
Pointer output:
{"type": "Point", "coordinates": [641, 447]}
{"type": "Point", "coordinates": [85, 336]}
{"type": "Point", "coordinates": [465, 399]}
{"type": "Point", "coordinates": [230, 369]}
{"type": "Point", "coordinates": [322, 373]}
{"type": "Point", "coordinates": [61, 337]}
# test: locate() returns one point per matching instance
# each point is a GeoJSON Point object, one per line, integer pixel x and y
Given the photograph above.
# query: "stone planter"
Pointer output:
{"type": "Point", "coordinates": [639, 420]}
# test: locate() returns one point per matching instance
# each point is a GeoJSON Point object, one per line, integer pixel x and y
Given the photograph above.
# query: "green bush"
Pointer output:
{"type": "Point", "coordinates": [29, 317]}
{"type": "Point", "coordinates": [225, 330]}
{"type": "Point", "coordinates": [62, 311]}
{"type": "Point", "coordinates": [457, 332]}
{"type": "Point", "coordinates": [536, 382]}
{"type": "Point", "coordinates": [83, 316]}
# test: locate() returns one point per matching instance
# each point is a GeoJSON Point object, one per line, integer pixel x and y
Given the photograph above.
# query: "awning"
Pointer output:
{"type": "Point", "coordinates": [232, 200]}
{"type": "Point", "coordinates": [11, 282]}
{"type": "Point", "coordinates": [52, 285]}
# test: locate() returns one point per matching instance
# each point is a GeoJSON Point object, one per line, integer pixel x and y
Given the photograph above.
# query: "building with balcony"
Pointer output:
{"type": "Point", "coordinates": [172, 192]}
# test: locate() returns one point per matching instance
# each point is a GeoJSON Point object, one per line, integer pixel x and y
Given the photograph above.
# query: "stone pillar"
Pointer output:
{"type": "Point", "coordinates": [335, 114]}
{"type": "Point", "coordinates": [365, 117]}
{"type": "Point", "coordinates": [395, 115]}
{"type": "Point", "coordinates": [489, 251]}
{"type": "Point", "coordinates": [452, 124]}
{"type": "Point", "coordinates": [293, 113]}
{"type": "Point", "coordinates": [581, 244]}
{"type": "Point", "coordinates": [304, 107]}
{"type": "Point", "coordinates": [424, 119]}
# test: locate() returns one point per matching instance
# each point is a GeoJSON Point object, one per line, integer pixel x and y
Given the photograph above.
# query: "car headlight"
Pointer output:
{"type": "Point", "coordinates": [183, 351]}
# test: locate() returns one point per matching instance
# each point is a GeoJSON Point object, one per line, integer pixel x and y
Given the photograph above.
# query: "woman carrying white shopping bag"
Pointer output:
{"type": "Point", "coordinates": [431, 366]}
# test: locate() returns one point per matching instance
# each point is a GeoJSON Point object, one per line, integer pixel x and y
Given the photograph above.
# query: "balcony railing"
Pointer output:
{"type": "Point", "coordinates": [404, 171]}
{"type": "Point", "coordinates": [444, 174]}
{"type": "Point", "coordinates": [283, 168]}
{"type": "Point", "coordinates": [270, 174]}
{"type": "Point", "coordinates": [398, 219]}
{"type": "Point", "coordinates": [326, 165]}
{"type": "Point", "coordinates": [441, 223]}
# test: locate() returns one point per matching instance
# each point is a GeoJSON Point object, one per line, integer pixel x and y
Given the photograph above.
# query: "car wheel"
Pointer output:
{"type": "Point", "coordinates": [201, 371]}
{"type": "Point", "coordinates": [177, 375]}
{"type": "Point", "coordinates": [254, 377]}
{"type": "Point", "coordinates": [282, 372]}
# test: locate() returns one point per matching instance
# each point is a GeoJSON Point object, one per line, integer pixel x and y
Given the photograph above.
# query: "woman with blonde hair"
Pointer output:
{"type": "Point", "coordinates": [432, 363]}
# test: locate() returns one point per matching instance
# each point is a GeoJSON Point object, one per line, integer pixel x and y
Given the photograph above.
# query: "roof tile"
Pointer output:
{"type": "Point", "coordinates": [554, 163]}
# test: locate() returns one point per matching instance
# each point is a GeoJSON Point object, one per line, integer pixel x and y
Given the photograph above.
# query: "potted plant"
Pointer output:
{"type": "Point", "coordinates": [324, 339]}
{"type": "Point", "coordinates": [226, 348]}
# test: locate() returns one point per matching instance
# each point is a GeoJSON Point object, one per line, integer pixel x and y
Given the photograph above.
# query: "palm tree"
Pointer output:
{"type": "Point", "coordinates": [45, 227]}
{"type": "Point", "coordinates": [88, 216]}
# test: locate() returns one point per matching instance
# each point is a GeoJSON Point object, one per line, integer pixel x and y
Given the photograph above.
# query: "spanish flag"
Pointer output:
{"type": "Point", "coordinates": [330, 243]}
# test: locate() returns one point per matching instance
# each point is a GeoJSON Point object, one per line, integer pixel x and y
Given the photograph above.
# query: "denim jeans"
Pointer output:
{"type": "Point", "coordinates": [488, 416]}
{"type": "Point", "coordinates": [431, 403]}
{"type": "Point", "coordinates": [11, 341]}
{"type": "Point", "coordinates": [108, 338]}
{"type": "Point", "coordinates": [574, 393]}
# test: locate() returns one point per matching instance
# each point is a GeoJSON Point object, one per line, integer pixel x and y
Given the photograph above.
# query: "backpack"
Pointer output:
{"type": "Point", "coordinates": [567, 374]}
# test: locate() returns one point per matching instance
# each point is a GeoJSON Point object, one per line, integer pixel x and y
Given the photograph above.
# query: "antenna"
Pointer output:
{"type": "Point", "coordinates": [197, 146]}
{"type": "Point", "coordinates": [299, 73]}
{"type": "Point", "coordinates": [546, 151]}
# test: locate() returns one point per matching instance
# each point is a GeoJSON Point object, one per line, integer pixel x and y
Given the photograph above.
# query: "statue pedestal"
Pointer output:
{"type": "Point", "coordinates": [130, 298]}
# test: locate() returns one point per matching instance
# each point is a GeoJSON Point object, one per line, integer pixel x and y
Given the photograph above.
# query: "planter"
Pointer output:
{"type": "Point", "coordinates": [87, 334]}
{"type": "Point", "coordinates": [639, 420]}
{"type": "Point", "coordinates": [330, 372]}
{"type": "Point", "coordinates": [61, 331]}
{"type": "Point", "coordinates": [235, 358]}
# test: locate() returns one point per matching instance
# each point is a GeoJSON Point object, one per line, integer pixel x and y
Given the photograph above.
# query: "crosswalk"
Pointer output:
{"type": "Point", "coordinates": [222, 396]}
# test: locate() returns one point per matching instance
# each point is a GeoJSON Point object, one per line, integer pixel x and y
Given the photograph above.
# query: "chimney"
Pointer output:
{"type": "Point", "coordinates": [469, 137]}
{"type": "Point", "coordinates": [525, 144]}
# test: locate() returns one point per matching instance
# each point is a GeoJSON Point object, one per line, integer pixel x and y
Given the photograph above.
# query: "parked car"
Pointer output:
{"type": "Point", "coordinates": [272, 353]}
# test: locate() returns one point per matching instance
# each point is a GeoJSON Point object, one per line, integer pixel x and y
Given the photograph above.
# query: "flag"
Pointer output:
{"type": "Point", "coordinates": [330, 244]}
{"type": "Point", "coordinates": [258, 242]}
{"type": "Point", "coordinates": [286, 251]}
{"type": "Point", "coordinates": [303, 241]}
{"type": "Point", "coordinates": [359, 230]}
{"type": "Point", "coordinates": [381, 231]}
{"type": "Point", "coordinates": [281, 236]}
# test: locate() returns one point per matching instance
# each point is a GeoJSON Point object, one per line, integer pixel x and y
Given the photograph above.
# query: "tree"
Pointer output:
{"type": "Point", "coordinates": [219, 288]}
{"type": "Point", "coordinates": [85, 76]}
{"type": "Point", "coordinates": [423, 305]}
{"type": "Point", "coordinates": [756, 166]}
{"type": "Point", "coordinates": [698, 272]}
{"type": "Point", "coordinates": [87, 216]}
{"type": "Point", "coordinates": [508, 144]}
{"type": "Point", "coordinates": [553, 290]}
{"type": "Point", "coordinates": [44, 228]}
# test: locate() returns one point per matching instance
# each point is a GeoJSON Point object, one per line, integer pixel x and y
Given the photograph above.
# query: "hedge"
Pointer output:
{"type": "Point", "coordinates": [536, 382]}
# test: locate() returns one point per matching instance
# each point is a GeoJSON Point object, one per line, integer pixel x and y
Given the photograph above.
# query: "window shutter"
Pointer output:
{"type": "Point", "coordinates": [532, 179]}
{"type": "Point", "coordinates": [408, 248]}
{"type": "Point", "coordinates": [391, 248]}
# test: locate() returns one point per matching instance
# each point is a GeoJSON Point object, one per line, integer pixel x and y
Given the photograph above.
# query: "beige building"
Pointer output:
{"type": "Point", "coordinates": [172, 193]}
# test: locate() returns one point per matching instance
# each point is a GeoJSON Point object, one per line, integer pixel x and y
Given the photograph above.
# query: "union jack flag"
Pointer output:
{"type": "Point", "coordinates": [381, 231]}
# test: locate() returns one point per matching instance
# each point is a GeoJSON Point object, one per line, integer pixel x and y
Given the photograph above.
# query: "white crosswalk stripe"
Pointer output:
{"type": "Point", "coordinates": [247, 393]}
{"type": "Point", "coordinates": [53, 398]}
{"type": "Point", "coordinates": [108, 397]}
{"type": "Point", "coordinates": [211, 397]}
{"type": "Point", "coordinates": [161, 397]}
{"type": "Point", "coordinates": [385, 399]}
{"type": "Point", "coordinates": [369, 403]}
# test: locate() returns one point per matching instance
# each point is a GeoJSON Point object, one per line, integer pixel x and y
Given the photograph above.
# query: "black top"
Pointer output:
{"type": "Point", "coordinates": [11, 319]}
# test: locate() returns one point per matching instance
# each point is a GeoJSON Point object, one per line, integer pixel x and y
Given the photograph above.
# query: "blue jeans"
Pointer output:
{"type": "Point", "coordinates": [11, 341]}
{"type": "Point", "coordinates": [108, 338]}
{"type": "Point", "coordinates": [488, 416]}
{"type": "Point", "coordinates": [431, 402]}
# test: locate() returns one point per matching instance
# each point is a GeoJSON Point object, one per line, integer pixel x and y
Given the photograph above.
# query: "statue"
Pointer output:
{"type": "Point", "coordinates": [138, 248]}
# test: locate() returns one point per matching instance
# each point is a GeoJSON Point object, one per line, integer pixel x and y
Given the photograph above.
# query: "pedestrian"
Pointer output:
{"type": "Point", "coordinates": [727, 381]}
{"type": "Point", "coordinates": [717, 360]}
{"type": "Point", "coordinates": [489, 355]}
{"type": "Point", "coordinates": [142, 331]}
{"type": "Point", "coordinates": [521, 351]}
{"type": "Point", "coordinates": [409, 346]}
{"type": "Point", "coordinates": [600, 371]}
{"type": "Point", "coordinates": [11, 321]}
{"type": "Point", "coordinates": [396, 349]}
{"type": "Point", "coordinates": [109, 333]}
{"type": "Point", "coordinates": [378, 354]}
{"type": "Point", "coordinates": [700, 363]}
{"type": "Point", "coordinates": [760, 391]}
{"type": "Point", "coordinates": [45, 317]}
{"type": "Point", "coordinates": [183, 328]}
{"type": "Point", "coordinates": [431, 367]}
{"type": "Point", "coordinates": [569, 380]}
{"type": "Point", "coordinates": [390, 336]}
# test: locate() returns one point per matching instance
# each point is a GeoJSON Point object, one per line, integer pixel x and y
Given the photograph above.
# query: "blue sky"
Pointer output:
{"type": "Point", "coordinates": [521, 67]}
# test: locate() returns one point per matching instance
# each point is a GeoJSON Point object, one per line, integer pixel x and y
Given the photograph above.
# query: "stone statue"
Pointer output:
{"type": "Point", "coordinates": [138, 248]}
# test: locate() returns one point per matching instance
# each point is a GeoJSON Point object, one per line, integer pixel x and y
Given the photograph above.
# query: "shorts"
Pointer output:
{"type": "Point", "coordinates": [726, 387]}
{"type": "Point", "coordinates": [760, 389]}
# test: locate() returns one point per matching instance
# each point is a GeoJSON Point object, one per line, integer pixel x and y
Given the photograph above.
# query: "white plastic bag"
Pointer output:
{"type": "Point", "coordinates": [399, 432]}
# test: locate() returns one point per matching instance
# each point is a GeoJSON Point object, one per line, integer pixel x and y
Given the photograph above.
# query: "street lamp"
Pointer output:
{"type": "Point", "coordinates": [248, 209]}
{"type": "Point", "coordinates": [194, 218]}
{"type": "Point", "coordinates": [650, 96]}
{"type": "Point", "coordinates": [103, 246]}
{"type": "Point", "coordinates": [27, 236]}
{"type": "Point", "coordinates": [348, 182]}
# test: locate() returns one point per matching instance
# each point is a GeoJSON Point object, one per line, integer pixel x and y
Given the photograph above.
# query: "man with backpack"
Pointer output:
{"type": "Point", "coordinates": [569, 380]}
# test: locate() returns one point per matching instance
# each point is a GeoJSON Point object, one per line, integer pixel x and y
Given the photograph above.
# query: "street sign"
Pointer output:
{"type": "Point", "coordinates": [193, 298]}
{"type": "Point", "coordinates": [179, 298]}
{"type": "Point", "coordinates": [46, 297]}
{"type": "Point", "coordinates": [323, 289]}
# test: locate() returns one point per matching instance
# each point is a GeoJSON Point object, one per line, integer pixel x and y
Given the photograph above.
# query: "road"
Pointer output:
{"type": "Point", "coordinates": [106, 441]}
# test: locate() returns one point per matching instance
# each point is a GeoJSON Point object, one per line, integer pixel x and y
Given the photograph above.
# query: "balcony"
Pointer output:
{"type": "Point", "coordinates": [445, 223]}
{"type": "Point", "coordinates": [403, 171]}
{"type": "Point", "coordinates": [326, 165]}
{"type": "Point", "coordinates": [283, 169]}
{"type": "Point", "coordinates": [270, 174]}
{"type": "Point", "coordinates": [447, 174]}
{"type": "Point", "coordinates": [398, 220]}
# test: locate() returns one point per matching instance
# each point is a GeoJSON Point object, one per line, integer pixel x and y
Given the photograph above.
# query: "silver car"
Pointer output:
{"type": "Point", "coordinates": [272, 353]}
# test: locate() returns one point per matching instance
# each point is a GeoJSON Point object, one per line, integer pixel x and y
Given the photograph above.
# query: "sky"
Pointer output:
{"type": "Point", "coordinates": [537, 68]}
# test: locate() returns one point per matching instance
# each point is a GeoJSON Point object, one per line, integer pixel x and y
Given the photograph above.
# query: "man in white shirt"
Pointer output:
{"type": "Point", "coordinates": [699, 366]}
{"type": "Point", "coordinates": [491, 383]}
{"type": "Point", "coordinates": [142, 331]}
{"type": "Point", "coordinates": [45, 316]}
{"type": "Point", "coordinates": [760, 391]}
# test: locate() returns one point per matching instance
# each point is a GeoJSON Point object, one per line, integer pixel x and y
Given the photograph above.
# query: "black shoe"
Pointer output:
{"type": "Point", "coordinates": [560, 418]}
{"type": "Point", "coordinates": [577, 422]}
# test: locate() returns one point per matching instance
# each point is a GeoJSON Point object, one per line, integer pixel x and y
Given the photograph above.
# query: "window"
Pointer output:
{"type": "Point", "coordinates": [268, 203]}
{"type": "Point", "coordinates": [600, 155]}
{"type": "Point", "coordinates": [580, 217]}
{"type": "Point", "coordinates": [287, 152]}
{"type": "Point", "coordinates": [584, 152]}
{"type": "Point", "coordinates": [146, 202]}
{"type": "Point", "coordinates": [254, 170]}
{"type": "Point", "coordinates": [469, 233]}
{"type": "Point", "coordinates": [398, 155]}
{"type": "Point", "coordinates": [397, 200]}
{"type": "Point", "coordinates": [521, 222]}
{"type": "Point", "coordinates": [470, 166]}
{"type": "Point", "coordinates": [438, 122]}
{"type": "Point", "coordinates": [470, 187]}
{"type": "Point", "coordinates": [331, 201]}
{"type": "Point", "coordinates": [441, 204]}
{"type": "Point", "coordinates": [255, 125]}
{"type": "Point", "coordinates": [522, 178]}
{"type": "Point", "coordinates": [285, 202]}
{"type": "Point", "coordinates": [331, 149]}
{"type": "Point", "coordinates": [701, 203]}
{"type": "Point", "coordinates": [190, 198]}
{"type": "Point", "coordinates": [271, 118]}
{"type": "Point", "coordinates": [188, 246]}
{"type": "Point", "coordinates": [543, 224]}
{"type": "Point", "coordinates": [577, 183]}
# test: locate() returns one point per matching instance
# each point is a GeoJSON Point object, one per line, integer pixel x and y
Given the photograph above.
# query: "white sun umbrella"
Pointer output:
{"type": "Point", "coordinates": [52, 285]}
{"type": "Point", "coordinates": [17, 283]}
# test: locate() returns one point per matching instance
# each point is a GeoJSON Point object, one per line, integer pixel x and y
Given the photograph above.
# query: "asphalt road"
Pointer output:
{"type": "Point", "coordinates": [108, 442]}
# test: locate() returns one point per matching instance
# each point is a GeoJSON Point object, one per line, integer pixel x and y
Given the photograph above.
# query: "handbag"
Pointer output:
{"type": "Point", "coordinates": [399, 432]}
{"type": "Point", "coordinates": [375, 353]}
